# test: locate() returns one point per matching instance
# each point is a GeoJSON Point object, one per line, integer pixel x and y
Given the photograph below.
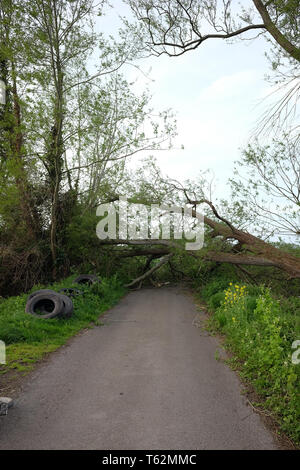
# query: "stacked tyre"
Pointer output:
{"type": "Point", "coordinates": [47, 303]}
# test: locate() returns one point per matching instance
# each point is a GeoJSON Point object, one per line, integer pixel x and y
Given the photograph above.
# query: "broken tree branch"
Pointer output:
{"type": "Point", "coordinates": [163, 261]}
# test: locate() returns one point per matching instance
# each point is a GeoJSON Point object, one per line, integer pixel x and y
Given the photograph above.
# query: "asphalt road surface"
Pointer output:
{"type": "Point", "coordinates": [147, 379]}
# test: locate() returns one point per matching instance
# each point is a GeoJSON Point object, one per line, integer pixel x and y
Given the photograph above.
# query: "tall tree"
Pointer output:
{"type": "Point", "coordinates": [13, 163]}
{"type": "Point", "coordinates": [56, 27]}
{"type": "Point", "coordinates": [75, 120]}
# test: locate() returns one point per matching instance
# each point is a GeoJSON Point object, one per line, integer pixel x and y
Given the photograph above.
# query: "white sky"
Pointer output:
{"type": "Point", "coordinates": [215, 92]}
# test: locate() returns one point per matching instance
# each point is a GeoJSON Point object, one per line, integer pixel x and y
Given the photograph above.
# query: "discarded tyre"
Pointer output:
{"type": "Point", "coordinates": [45, 305]}
{"type": "Point", "coordinates": [68, 307]}
{"type": "Point", "coordinates": [70, 292]}
{"type": "Point", "coordinates": [42, 291]}
{"type": "Point", "coordinates": [87, 279]}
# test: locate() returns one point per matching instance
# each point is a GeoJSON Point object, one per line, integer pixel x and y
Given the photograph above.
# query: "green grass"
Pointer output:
{"type": "Point", "coordinates": [259, 329]}
{"type": "Point", "coordinates": [28, 339]}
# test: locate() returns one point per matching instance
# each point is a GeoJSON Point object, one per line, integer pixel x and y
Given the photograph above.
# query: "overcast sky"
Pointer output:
{"type": "Point", "coordinates": [215, 92]}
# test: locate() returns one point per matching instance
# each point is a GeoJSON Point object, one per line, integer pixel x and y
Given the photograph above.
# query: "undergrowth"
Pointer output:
{"type": "Point", "coordinates": [260, 329]}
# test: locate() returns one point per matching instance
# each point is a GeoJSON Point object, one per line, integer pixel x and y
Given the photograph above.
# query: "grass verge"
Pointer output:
{"type": "Point", "coordinates": [28, 339]}
{"type": "Point", "coordinates": [259, 330]}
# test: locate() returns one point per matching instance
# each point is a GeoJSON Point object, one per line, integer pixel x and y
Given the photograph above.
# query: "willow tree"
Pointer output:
{"type": "Point", "coordinates": [174, 27]}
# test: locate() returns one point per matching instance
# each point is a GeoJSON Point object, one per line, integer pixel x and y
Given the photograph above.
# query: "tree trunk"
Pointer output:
{"type": "Point", "coordinates": [290, 48]}
{"type": "Point", "coordinates": [26, 205]}
{"type": "Point", "coordinates": [55, 158]}
{"type": "Point", "coordinates": [255, 252]}
{"type": "Point", "coordinates": [261, 253]}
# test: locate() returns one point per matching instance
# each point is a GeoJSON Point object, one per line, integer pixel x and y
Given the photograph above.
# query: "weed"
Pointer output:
{"type": "Point", "coordinates": [259, 330]}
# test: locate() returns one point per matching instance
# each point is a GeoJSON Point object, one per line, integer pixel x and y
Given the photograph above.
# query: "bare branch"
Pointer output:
{"type": "Point", "coordinates": [163, 261]}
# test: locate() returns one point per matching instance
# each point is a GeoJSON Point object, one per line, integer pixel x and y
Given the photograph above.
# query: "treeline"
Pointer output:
{"type": "Point", "coordinates": [68, 125]}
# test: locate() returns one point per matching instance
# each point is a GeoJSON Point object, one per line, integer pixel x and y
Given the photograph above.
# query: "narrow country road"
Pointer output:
{"type": "Point", "coordinates": [147, 379]}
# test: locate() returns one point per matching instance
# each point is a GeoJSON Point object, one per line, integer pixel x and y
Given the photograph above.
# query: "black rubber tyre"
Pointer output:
{"type": "Point", "coordinates": [50, 305]}
{"type": "Point", "coordinates": [42, 291]}
{"type": "Point", "coordinates": [68, 307]}
{"type": "Point", "coordinates": [87, 279]}
{"type": "Point", "coordinates": [70, 292]}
